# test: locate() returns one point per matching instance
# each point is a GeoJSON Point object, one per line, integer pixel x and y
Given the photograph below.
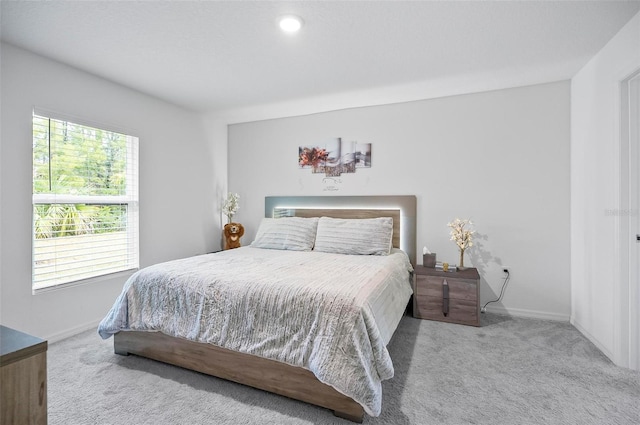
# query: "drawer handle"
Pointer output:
{"type": "Point", "coordinates": [445, 298]}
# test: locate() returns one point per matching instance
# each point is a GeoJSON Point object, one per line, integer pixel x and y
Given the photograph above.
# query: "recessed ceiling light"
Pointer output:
{"type": "Point", "coordinates": [290, 23]}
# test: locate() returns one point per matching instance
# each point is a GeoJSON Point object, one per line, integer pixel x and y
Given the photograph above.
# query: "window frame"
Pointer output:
{"type": "Point", "coordinates": [130, 199]}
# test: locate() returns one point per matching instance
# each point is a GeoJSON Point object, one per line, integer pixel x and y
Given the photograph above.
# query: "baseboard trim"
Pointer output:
{"type": "Point", "coordinates": [59, 336]}
{"type": "Point", "coordinates": [533, 314]}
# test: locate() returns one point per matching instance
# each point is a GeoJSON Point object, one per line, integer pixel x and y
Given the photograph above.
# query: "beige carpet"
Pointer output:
{"type": "Point", "coordinates": [510, 371]}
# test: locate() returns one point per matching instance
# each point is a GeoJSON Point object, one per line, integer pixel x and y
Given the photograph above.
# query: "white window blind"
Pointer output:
{"type": "Point", "coordinates": [85, 202]}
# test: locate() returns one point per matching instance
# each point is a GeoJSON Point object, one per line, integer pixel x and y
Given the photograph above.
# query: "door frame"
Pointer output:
{"type": "Point", "coordinates": [627, 298]}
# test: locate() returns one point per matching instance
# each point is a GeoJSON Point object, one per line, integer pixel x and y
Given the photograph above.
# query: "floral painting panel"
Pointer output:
{"type": "Point", "coordinates": [314, 157]}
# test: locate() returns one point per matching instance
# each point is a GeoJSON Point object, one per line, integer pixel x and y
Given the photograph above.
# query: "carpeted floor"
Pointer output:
{"type": "Point", "coordinates": [509, 371]}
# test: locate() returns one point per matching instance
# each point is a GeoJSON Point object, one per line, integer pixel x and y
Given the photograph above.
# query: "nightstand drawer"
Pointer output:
{"type": "Point", "coordinates": [460, 311]}
{"type": "Point", "coordinates": [458, 288]}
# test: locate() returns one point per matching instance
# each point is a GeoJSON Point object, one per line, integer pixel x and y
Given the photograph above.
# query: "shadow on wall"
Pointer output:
{"type": "Point", "coordinates": [220, 195]}
{"type": "Point", "coordinates": [484, 261]}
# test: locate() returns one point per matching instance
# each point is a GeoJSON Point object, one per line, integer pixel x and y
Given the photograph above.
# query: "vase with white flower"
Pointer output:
{"type": "Point", "coordinates": [230, 206]}
{"type": "Point", "coordinates": [462, 236]}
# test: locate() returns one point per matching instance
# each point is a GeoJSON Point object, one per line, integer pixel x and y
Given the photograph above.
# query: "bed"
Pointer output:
{"type": "Point", "coordinates": [334, 356]}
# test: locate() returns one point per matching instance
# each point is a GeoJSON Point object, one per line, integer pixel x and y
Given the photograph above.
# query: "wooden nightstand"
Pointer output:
{"type": "Point", "coordinates": [23, 383]}
{"type": "Point", "coordinates": [457, 301]}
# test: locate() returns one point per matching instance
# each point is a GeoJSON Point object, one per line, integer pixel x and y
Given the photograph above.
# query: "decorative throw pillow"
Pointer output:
{"type": "Point", "coordinates": [367, 236]}
{"type": "Point", "coordinates": [289, 233]}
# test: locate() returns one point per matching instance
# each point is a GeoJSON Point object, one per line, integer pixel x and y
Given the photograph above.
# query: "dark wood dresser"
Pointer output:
{"type": "Point", "coordinates": [447, 296]}
{"type": "Point", "coordinates": [23, 378]}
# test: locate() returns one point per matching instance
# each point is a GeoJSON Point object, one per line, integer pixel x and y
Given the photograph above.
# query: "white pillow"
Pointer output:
{"type": "Point", "coordinates": [365, 236]}
{"type": "Point", "coordinates": [290, 233]}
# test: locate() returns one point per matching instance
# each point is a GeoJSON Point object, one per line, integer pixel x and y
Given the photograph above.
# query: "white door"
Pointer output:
{"type": "Point", "coordinates": [634, 281]}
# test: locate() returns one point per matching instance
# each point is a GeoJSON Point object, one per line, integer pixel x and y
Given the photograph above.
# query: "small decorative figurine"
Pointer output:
{"type": "Point", "coordinates": [232, 234]}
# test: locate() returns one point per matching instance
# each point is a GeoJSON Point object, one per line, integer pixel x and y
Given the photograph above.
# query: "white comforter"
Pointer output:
{"type": "Point", "coordinates": [309, 309]}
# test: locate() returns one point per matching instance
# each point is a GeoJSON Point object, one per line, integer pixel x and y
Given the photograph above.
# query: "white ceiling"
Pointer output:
{"type": "Point", "coordinates": [219, 55]}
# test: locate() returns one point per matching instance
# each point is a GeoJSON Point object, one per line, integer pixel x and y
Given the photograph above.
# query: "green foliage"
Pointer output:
{"type": "Point", "coordinates": [77, 160]}
{"type": "Point", "coordinates": [58, 220]}
{"type": "Point", "coordinates": [73, 159]}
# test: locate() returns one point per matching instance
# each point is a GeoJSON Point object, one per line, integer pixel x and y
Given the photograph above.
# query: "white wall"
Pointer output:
{"type": "Point", "coordinates": [499, 157]}
{"type": "Point", "coordinates": [599, 281]}
{"type": "Point", "coordinates": [177, 184]}
{"type": "Point", "coordinates": [216, 133]}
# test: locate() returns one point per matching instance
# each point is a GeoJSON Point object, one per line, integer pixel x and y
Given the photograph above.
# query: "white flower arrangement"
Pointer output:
{"type": "Point", "coordinates": [230, 206]}
{"type": "Point", "coordinates": [462, 236]}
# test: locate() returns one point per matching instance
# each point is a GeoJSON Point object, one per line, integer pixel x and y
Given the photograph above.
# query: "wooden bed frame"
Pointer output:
{"type": "Point", "coordinates": [269, 375]}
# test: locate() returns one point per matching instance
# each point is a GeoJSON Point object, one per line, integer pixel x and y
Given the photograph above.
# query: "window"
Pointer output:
{"type": "Point", "coordinates": [85, 202]}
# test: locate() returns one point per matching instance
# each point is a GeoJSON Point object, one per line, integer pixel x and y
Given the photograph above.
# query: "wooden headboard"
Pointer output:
{"type": "Point", "coordinates": [401, 208]}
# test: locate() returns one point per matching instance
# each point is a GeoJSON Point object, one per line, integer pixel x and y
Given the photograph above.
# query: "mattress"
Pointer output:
{"type": "Point", "coordinates": [332, 314]}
